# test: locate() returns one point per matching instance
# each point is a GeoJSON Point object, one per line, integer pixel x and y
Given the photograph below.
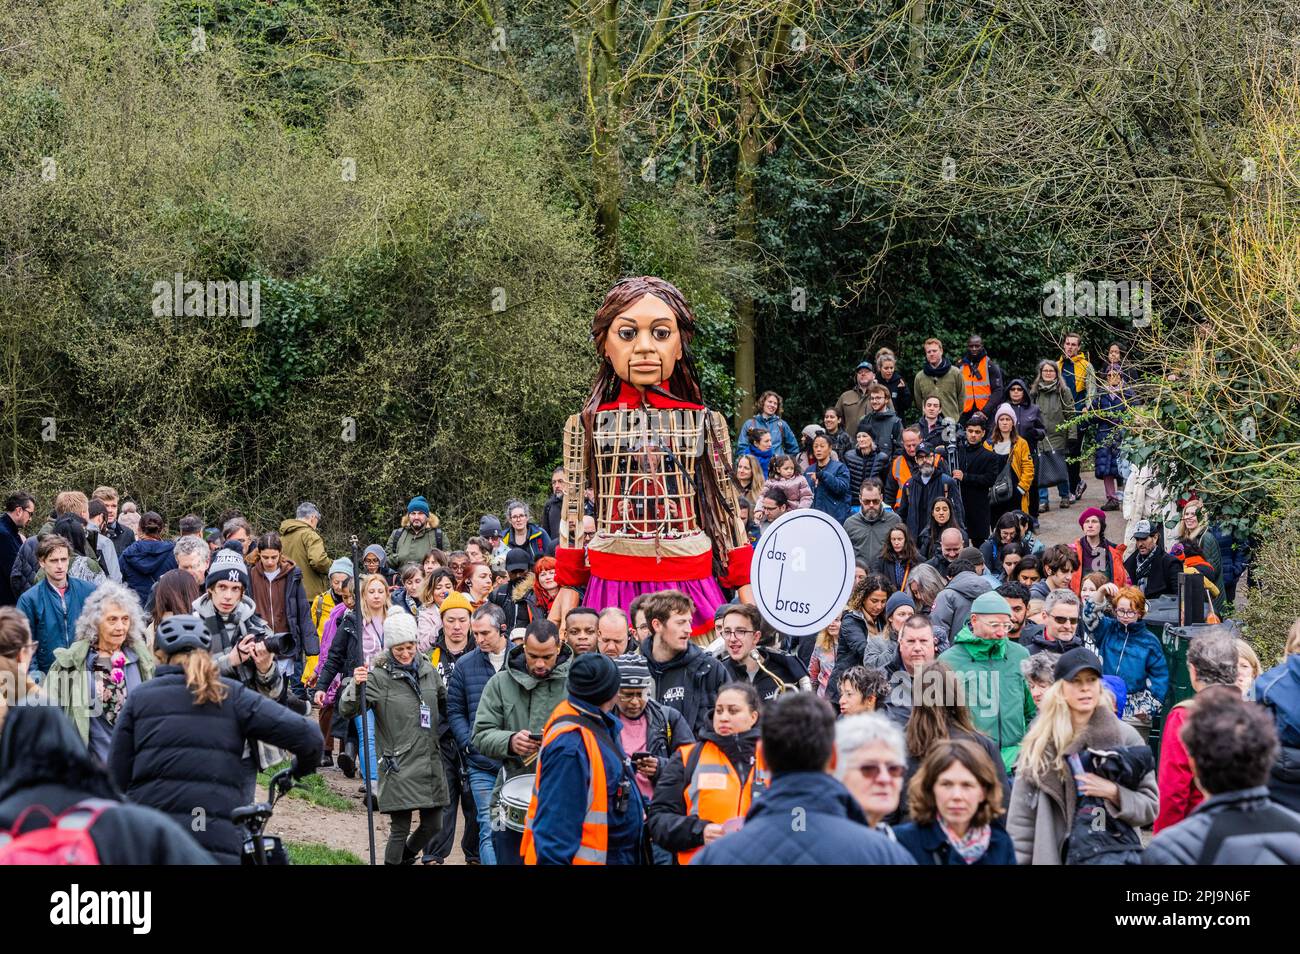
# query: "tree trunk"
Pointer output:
{"type": "Point", "coordinates": [747, 159]}
{"type": "Point", "coordinates": [607, 154]}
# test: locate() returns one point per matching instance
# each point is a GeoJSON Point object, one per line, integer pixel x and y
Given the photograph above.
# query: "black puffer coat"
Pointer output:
{"type": "Point", "coordinates": [187, 760]}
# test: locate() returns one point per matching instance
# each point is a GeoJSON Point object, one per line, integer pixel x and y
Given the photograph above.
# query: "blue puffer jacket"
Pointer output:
{"type": "Point", "coordinates": [53, 619]}
{"type": "Point", "coordinates": [831, 491]}
{"type": "Point", "coordinates": [805, 818]}
{"type": "Point", "coordinates": [143, 562]}
{"type": "Point", "coordinates": [1130, 651]}
{"type": "Point", "coordinates": [464, 689]}
{"type": "Point", "coordinates": [180, 758]}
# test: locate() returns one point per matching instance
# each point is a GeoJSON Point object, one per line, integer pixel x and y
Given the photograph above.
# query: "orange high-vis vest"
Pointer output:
{"type": "Point", "coordinates": [714, 791]}
{"type": "Point", "coordinates": [901, 471]}
{"type": "Point", "coordinates": [978, 390]}
{"type": "Point", "coordinates": [594, 847]}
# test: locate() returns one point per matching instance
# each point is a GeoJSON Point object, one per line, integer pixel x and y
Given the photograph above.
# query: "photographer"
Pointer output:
{"type": "Point", "coordinates": [239, 636]}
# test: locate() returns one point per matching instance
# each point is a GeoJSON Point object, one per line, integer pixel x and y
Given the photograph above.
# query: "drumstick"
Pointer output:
{"type": "Point", "coordinates": [532, 758]}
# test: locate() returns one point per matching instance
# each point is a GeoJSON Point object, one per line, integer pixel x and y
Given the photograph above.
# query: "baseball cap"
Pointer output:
{"type": "Point", "coordinates": [1142, 530]}
{"type": "Point", "coordinates": [1075, 661]}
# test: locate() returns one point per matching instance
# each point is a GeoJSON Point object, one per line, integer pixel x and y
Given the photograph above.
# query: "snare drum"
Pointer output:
{"type": "Point", "coordinates": [515, 796]}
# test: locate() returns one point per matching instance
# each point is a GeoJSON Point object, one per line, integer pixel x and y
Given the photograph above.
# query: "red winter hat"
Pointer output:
{"type": "Point", "coordinates": [1092, 512]}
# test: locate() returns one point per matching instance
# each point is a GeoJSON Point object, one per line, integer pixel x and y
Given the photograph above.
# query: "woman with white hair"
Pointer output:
{"type": "Point", "coordinates": [871, 760]}
{"type": "Point", "coordinates": [91, 679]}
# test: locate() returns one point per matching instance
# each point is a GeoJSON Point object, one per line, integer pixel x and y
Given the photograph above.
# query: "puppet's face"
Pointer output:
{"type": "Point", "coordinates": [644, 343]}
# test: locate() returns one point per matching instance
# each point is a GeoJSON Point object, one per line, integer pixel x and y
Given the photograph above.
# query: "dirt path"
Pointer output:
{"type": "Point", "coordinates": [298, 820]}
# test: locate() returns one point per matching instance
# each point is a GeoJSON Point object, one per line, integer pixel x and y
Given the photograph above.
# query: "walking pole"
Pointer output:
{"type": "Point", "coordinates": [361, 695]}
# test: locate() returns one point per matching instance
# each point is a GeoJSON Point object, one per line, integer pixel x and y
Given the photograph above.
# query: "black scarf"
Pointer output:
{"type": "Point", "coordinates": [944, 367]}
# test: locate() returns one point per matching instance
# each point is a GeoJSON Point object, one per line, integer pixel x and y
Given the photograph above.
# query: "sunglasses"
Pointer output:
{"type": "Point", "coordinates": [871, 770]}
{"type": "Point", "coordinates": [1066, 619]}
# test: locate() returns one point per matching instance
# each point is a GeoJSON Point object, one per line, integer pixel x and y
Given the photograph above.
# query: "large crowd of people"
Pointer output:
{"type": "Point", "coordinates": [987, 695]}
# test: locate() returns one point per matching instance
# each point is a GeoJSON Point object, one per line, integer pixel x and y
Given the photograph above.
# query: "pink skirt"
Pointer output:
{"type": "Point", "coordinates": [706, 594]}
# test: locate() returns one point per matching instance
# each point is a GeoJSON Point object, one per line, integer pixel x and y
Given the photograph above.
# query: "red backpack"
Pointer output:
{"type": "Point", "coordinates": [64, 841]}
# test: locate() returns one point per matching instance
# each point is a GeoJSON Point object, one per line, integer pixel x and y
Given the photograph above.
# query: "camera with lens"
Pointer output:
{"type": "Point", "coordinates": [280, 645]}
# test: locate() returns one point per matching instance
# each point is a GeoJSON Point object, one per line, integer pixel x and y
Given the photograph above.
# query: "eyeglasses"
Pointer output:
{"type": "Point", "coordinates": [871, 770]}
{"type": "Point", "coordinates": [742, 633]}
{"type": "Point", "coordinates": [1072, 620]}
{"type": "Point", "coordinates": [1126, 612]}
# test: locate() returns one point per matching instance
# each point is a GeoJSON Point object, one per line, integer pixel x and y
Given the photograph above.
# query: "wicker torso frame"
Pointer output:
{"type": "Point", "coordinates": [646, 464]}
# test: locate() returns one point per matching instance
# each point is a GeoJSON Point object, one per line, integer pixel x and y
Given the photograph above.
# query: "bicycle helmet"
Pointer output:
{"type": "Point", "coordinates": [176, 634]}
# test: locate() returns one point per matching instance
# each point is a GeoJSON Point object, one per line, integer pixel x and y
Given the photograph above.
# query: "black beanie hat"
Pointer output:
{"type": "Point", "coordinates": [593, 677]}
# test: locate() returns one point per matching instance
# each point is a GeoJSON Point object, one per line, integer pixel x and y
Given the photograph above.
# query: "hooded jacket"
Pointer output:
{"type": "Point", "coordinates": [1266, 833]}
{"type": "Point", "coordinates": [688, 682]}
{"type": "Point", "coordinates": [833, 830]}
{"type": "Point", "coordinates": [43, 763]}
{"type": "Point", "coordinates": [518, 602]}
{"type": "Point", "coordinates": [143, 562]}
{"type": "Point", "coordinates": [303, 546]}
{"type": "Point", "coordinates": [670, 827]}
{"type": "Point", "coordinates": [1029, 420]}
{"type": "Point", "coordinates": [411, 773]}
{"type": "Point", "coordinates": [286, 595]}
{"type": "Point", "coordinates": [951, 608]}
{"type": "Point", "coordinates": [514, 699]}
{"type": "Point", "coordinates": [406, 546]}
{"type": "Point", "coordinates": [868, 536]}
{"type": "Point", "coordinates": [997, 694]}
{"type": "Point", "coordinates": [787, 668]}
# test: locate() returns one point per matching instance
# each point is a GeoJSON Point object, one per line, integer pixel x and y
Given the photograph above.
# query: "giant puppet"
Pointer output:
{"type": "Point", "coordinates": [658, 462]}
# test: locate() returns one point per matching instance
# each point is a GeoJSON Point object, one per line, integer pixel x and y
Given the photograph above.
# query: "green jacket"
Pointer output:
{"type": "Point", "coordinates": [306, 549]}
{"type": "Point", "coordinates": [513, 700]}
{"type": "Point", "coordinates": [65, 683]}
{"type": "Point", "coordinates": [997, 694]}
{"type": "Point", "coordinates": [405, 546]}
{"type": "Point", "coordinates": [949, 389]}
{"type": "Point", "coordinates": [1058, 415]}
{"type": "Point", "coordinates": [410, 763]}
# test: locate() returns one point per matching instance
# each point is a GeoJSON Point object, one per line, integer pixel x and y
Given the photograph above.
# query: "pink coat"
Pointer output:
{"type": "Point", "coordinates": [796, 489]}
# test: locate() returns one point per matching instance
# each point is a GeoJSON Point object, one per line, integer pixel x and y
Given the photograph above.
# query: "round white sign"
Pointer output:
{"type": "Point", "coordinates": [802, 572]}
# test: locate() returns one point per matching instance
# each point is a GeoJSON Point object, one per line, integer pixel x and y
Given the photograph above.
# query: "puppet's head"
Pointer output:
{"type": "Point", "coordinates": [642, 332]}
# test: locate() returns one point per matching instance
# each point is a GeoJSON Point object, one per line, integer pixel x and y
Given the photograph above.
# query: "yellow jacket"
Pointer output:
{"type": "Point", "coordinates": [1022, 465]}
